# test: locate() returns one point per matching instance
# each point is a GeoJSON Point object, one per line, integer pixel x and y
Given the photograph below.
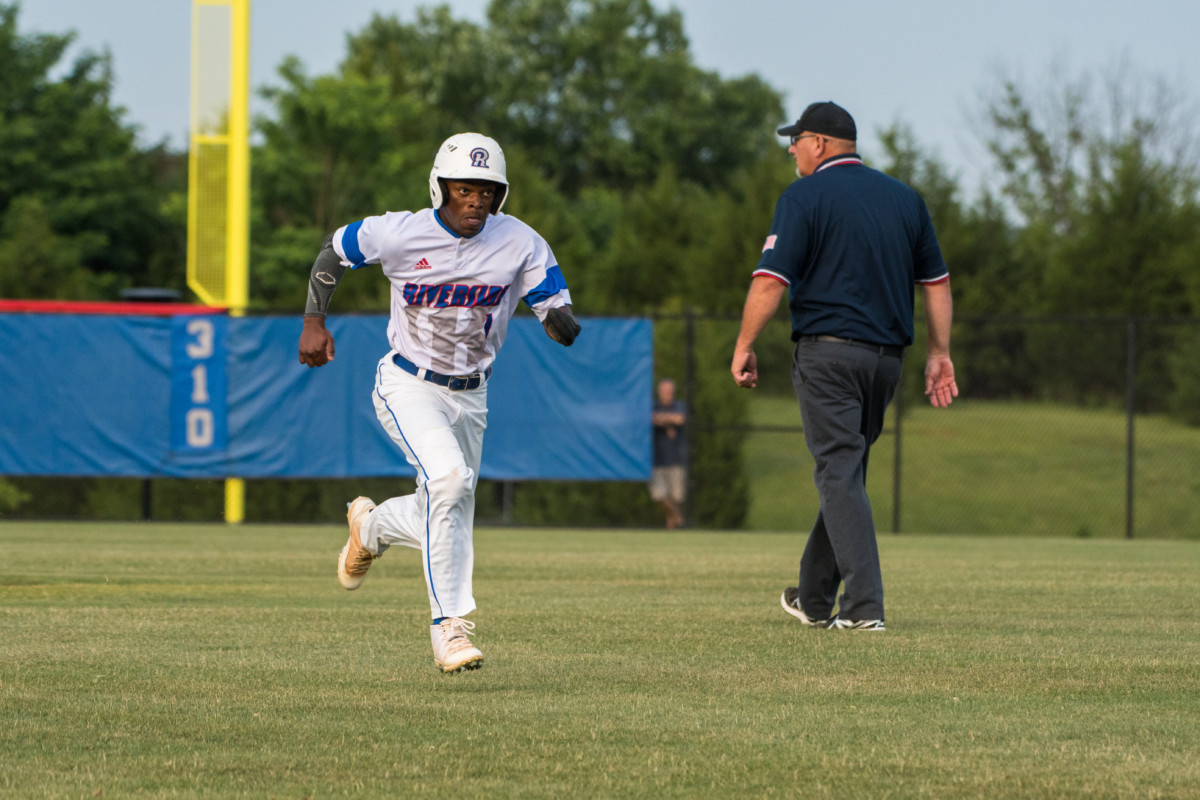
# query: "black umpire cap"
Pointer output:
{"type": "Point", "coordinates": [827, 119]}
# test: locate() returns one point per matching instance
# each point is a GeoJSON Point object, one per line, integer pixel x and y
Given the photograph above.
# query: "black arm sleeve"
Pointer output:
{"type": "Point", "coordinates": [327, 270]}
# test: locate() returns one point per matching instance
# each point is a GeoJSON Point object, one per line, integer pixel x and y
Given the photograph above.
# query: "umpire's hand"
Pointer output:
{"type": "Point", "coordinates": [745, 368]}
{"type": "Point", "coordinates": [940, 386]}
{"type": "Point", "coordinates": [316, 343]}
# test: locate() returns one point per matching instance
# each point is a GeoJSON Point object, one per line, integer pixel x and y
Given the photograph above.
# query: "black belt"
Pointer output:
{"type": "Point", "coordinates": [455, 383]}
{"type": "Point", "coordinates": [883, 349]}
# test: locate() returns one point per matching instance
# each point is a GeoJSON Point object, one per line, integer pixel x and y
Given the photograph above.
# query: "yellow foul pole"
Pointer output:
{"type": "Point", "coordinates": [218, 252]}
{"type": "Point", "coordinates": [239, 204]}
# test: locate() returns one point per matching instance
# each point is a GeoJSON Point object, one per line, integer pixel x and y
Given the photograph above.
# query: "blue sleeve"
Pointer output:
{"type": "Point", "coordinates": [552, 284]}
{"type": "Point", "coordinates": [928, 263]}
{"type": "Point", "coordinates": [350, 245]}
{"type": "Point", "coordinates": [787, 245]}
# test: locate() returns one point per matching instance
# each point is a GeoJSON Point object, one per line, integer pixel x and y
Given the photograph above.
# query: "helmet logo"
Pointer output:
{"type": "Point", "coordinates": [479, 158]}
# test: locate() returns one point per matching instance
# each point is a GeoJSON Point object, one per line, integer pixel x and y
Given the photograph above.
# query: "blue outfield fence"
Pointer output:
{"type": "Point", "coordinates": [210, 396]}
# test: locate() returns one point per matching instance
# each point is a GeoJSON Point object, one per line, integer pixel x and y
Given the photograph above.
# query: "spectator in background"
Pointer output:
{"type": "Point", "coordinates": [668, 478]}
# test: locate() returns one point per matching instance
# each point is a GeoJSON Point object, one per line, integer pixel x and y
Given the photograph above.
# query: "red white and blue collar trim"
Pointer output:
{"type": "Point", "coordinates": [839, 161]}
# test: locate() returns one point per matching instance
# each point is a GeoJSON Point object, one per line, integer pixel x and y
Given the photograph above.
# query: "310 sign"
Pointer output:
{"type": "Point", "coordinates": [198, 409]}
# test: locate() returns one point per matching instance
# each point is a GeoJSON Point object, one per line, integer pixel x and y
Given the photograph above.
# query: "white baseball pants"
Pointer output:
{"type": "Point", "coordinates": [441, 434]}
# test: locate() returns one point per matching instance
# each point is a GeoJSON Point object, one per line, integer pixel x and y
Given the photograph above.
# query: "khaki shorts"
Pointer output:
{"type": "Point", "coordinates": [667, 483]}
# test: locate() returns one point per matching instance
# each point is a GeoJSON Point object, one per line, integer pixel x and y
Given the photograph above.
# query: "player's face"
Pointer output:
{"type": "Point", "coordinates": [467, 206]}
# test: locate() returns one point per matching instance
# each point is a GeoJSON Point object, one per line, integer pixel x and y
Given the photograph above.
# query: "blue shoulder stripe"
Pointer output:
{"type": "Point", "coordinates": [552, 285]}
{"type": "Point", "coordinates": [350, 244]}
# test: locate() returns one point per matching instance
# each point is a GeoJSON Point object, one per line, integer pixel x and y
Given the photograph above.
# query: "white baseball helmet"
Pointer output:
{"type": "Point", "coordinates": [468, 157]}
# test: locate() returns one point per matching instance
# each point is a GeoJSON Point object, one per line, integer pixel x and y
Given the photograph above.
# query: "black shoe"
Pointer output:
{"type": "Point", "coordinates": [790, 600]}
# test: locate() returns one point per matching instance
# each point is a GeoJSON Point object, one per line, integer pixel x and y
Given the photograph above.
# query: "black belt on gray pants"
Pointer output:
{"type": "Point", "coordinates": [453, 382]}
{"type": "Point", "coordinates": [883, 349]}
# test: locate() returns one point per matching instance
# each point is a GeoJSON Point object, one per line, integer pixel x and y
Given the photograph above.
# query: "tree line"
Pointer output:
{"type": "Point", "coordinates": [654, 181]}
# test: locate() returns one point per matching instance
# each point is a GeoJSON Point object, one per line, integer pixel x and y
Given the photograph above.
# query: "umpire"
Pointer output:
{"type": "Point", "coordinates": [848, 244]}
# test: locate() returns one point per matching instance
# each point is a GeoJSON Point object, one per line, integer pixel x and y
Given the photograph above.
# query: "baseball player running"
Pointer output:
{"type": "Point", "coordinates": [457, 271]}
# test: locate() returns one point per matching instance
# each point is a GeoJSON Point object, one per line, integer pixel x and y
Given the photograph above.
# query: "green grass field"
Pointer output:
{"type": "Point", "coordinates": [148, 660]}
{"type": "Point", "coordinates": [994, 468]}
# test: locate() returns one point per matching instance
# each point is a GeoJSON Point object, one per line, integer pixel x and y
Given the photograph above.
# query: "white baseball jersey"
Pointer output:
{"type": "Point", "coordinates": [452, 296]}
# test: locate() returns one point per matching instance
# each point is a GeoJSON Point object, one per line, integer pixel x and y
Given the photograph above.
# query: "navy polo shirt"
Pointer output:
{"type": "Point", "coordinates": [851, 243]}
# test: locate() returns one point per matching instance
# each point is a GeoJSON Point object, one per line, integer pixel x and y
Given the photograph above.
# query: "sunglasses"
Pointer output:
{"type": "Point", "coordinates": [798, 136]}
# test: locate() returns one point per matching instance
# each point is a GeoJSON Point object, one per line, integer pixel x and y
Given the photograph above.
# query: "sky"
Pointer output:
{"type": "Point", "coordinates": [923, 63]}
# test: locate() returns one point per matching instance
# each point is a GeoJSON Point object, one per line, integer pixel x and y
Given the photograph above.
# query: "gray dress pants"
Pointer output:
{"type": "Point", "coordinates": [844, 391]}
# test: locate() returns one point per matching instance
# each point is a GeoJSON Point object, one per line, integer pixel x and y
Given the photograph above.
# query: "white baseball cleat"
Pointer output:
{"type": "Point", "coordinates": [857, 624]}
{"type": "Point", "coordinates": [355, 559]}
{"type": "Point", "coordinates": [452, 649]}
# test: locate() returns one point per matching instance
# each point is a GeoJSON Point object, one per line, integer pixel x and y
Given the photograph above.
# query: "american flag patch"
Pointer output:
{"type": "Point", "coordinates": [769, 243]}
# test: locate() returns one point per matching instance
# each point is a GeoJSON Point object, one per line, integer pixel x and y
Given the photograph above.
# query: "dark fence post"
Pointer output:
{"type": "Point", "coordinates": [1130, 400]}
{"type": "Point", "coordinates": [897, 459]}
{"type": "Point", "coordinates": [147, 500]}
{"type": "Point", "coordinates": [506, 502]}
{"type": "Point", "coordinates": [689, 371]}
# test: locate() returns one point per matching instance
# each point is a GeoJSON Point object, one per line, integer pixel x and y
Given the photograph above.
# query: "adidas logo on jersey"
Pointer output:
{"type": "Point", "coordinates": [423, 264]}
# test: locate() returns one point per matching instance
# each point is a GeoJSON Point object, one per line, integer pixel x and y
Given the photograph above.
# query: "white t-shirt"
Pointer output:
{"type": "Point", "coordinates": [452, 296]}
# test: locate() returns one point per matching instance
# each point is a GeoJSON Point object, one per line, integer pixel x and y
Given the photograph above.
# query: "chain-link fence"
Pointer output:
{"type": "Point", "coordinates": [1065, 426]}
